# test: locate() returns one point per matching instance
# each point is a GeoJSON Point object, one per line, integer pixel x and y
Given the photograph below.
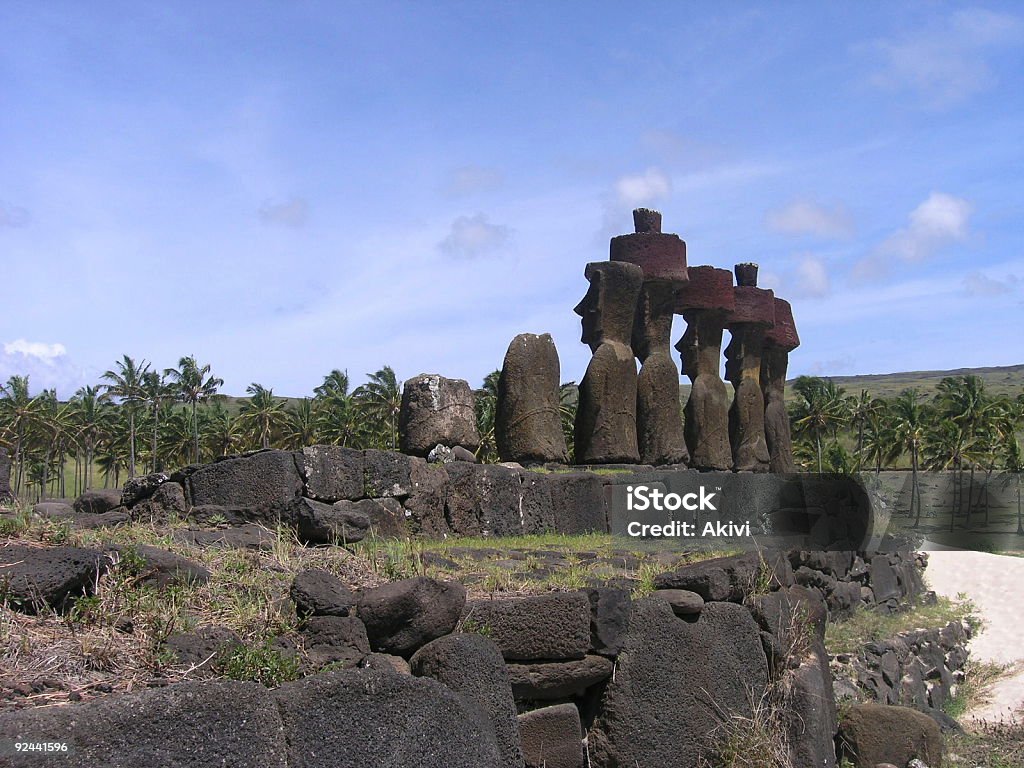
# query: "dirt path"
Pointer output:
{"type": "Point", "coordinates": [995, 584]}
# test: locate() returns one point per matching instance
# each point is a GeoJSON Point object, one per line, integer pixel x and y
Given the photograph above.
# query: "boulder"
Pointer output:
{"type": "Point", "coordinates": [98, 501]}
{"type": "Point", "coordinates": [883, 579]}
{"type": "Point", "coordinates": [402, 616]}
{"type": "Point", "coordinates": [268, 480]}
{"type": "Point", "coordinates": [53, 510]}
{"type": "Point", "coordinates": [557, 679]}
{"type": "Point", "coordinates": [33, 577]}
{"type": "Point", "coordinates": [810, 711]}
{"type": "Point", "coordinates": [142, 487]}
{"type": "Point", "coordinates": [319, 593]}
{"type": "Point", "coordinates": [386, 516]}
{"type": "Point", "coordinates": [674, 682]}
{"type": "Point", "coordinates": [335, 640]}
{"type": "Point", "coordinates": [610, 609]}
{"type": "Point", "coordinates": [683, 601]}
{"type": "Point", "coordinates": [716, 580]}
{"type": "Point", "coordinates": [358, 718]}
{"type": "Point", "coordinates": [472, 666]}
{"type": "Point", "coordinates": [318, 523]}
{"type": "Point", "coordinates": [436, 410]}
{"type": "Point", "coordinates": [425, 502]}
{"type": "Point", "coordinates": [549, 627]}
{"type": "Point", "coordinates": [248, 536]}
{"type": "Point", "coordinates": [552, 737]}
{"type": "Point", "coordinates": [385, 662]}
{"type": "Point", "coordinates": [200, 648]}
{"type": "Point", "coordinates": [332, 473]}
{"type": "Point", "coordinates": [878, 733]}
{"type": "Point", "coordinates": [578, 503]}
{"type": "Point", "coordinates": [187, 725]}
{"type": "Point", "coordinates": [387, 473]}
{"type": "Point", "coordinates": [483, 500]}
{"type": "Point", "coordinates": [159, 567]}
{"type": "Point", "coordinates": [167, 500]}
{"type": "Point", "coordinates": [528, 421]}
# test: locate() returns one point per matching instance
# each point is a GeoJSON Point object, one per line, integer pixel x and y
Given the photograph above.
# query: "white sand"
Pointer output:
{"type": "Point", "coordinates": [995, 584]}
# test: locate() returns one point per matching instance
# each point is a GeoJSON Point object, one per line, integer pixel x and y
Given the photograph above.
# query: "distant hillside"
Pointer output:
{"type": "Point", "coordinates": [1005, 380]}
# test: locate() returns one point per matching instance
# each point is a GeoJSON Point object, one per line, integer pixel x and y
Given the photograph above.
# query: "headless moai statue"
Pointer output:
{"type": "Point", "coordinates": [528, 423]}
{"type": "Point", "coordinates": [778, 343]}
{"type": "Point", "coordinates": [605, 429]}
{"type": "Point", "coordinates": [753, 316]}
{"type": "Point", "coordinates": [706, 303]}
{"type": "Point", "coordinates": [662, 257]}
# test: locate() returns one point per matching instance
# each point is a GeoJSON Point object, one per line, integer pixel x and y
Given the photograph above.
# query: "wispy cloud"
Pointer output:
{"type": "Point", "coordinates": [945, 63]}
{"type": "Point", "coordinates": [936, 223]}
{"type": "Point", "coordinates": [643, 188]}
{"type": "Point", "coordinates": [292, 213]}
{"type": "Point", "coordinates": [980, 284]}
{"type": "Point", "coordinates": [805, 217]}
{"type": "Point", "coordinates": [37, 349]}
{"type": "Point", "coordinates": [812, 278]}
{"type": "Point", "coordinates": [472, 179]}
{"type": "Point", "coordinates": [12, 215]}
{"type": "Point", "coordinates": [473, 236]}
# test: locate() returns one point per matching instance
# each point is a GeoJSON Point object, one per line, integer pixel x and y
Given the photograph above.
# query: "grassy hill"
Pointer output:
{"type": "Point", "coordinates": [1005, 380]}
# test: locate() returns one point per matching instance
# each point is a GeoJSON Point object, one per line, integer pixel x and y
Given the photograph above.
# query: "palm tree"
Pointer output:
{"type": "Point", "coordinates": [568, 399]}
{"type": "Point", "coordinates": [90, 415]}
{"type": "Point", "coordinates": [909, 423]}
{"type": "Point", "coordinates": [821, 411]}
{"type": "Point", "coordinates": [380, 399]}
{"type": "Point", "coordinates": [861, 410]}
{"type": "Point", "coordinates": [879, 440]}
{"type": "Point", "coordinates": [194, 384]}
{"type": "Point", "coordinates": [336, 416]}
{"type": "Point", "coordinates": [262, 413]}
{"type": "Point", "coordinates": [300, 424]}
{"type": "Point", "coordinates": [126, 384]}
{"type": "Point", "coordinates": [158, 393]}
{"type": "Point", "coordinates": [486, 404]}
{"type": "Point", "coordinates": [223, 432]}
{"type": "Point", "coordinates": [20, 411]}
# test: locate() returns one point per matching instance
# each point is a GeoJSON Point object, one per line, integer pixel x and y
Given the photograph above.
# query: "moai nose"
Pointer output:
{"type": "Point", "coordinates": [746, 274]}
{"type": "Point", "coordinates": [646, 220]}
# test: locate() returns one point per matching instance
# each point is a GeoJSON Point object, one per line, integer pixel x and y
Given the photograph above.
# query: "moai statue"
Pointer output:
{"type": "Point", "coordinates": [662, 257]}
{"type": "Point", "coordinates": [778, 343]}
{"type": "Point", "coordinates": [753, 315]}
{"type": "Point", "coordinates": [436, 411]}
{"type": "Point", "coordinates": [706, 303]}
{"type": "Point", "coordinates": [605, 429]}
{"type": "Point", "coordinates": [528, 423]}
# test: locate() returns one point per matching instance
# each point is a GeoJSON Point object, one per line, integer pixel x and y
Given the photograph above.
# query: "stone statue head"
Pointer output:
{"type": "Point", "coordinates": [608, 309]}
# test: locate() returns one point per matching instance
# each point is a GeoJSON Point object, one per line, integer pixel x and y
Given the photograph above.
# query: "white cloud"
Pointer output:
{"type": "Point", "coordinates": [938, 221]}
{"type": "Point", "coordinates": [470, 179]}
{"type": "Point", "coordinates": [980, 284]}
{"type": "Point", "coordinates": [36, 349]}
{"type": "Point", "coordinates": [12, 216]}
{"type": "Point", "coordinates": [946, 62]}
{"type": "Point", "coordinates": [473, 236]}
{"type": "Point", "coordinates": [812, 279]}
{"type": "Point", "coordinates": [803, 217]}
{"type": "Point", "coordinates": [291, 213]}
{"type": "Point", "coordinates": [643, 188]}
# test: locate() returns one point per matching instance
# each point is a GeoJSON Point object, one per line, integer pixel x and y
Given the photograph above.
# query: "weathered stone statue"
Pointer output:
{"type": "Point", "coordinates": [5, 475]}
{"type": "Point", "coordinates": [753, 315]}
{"type": "Point", "coordinates": [778, 343]}
{"type": "Point", "coordinates": [605, 429]}
{"type": "Point", "coordinates": [528, 424]}
{"type": "Point", "coordinates": [662, 257]}
{"type": "Point", "coordinates": [436, 411]}
{"type": "Point", "coordinates": [706, 302]}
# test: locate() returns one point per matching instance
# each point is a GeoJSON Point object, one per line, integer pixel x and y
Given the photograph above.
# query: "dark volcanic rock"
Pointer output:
{"type": "Point", "coordinates": [471, 665]}
{"type": "Point", "coordinates": [436, 411]}
{"type": "Point", "coordinates": [552, 737]}
{"type": "Point", "coordinates": [558, 679]}
{"type": "Point", "coordinates": [715, 580]}
{"type": "Point", "coordinates": [248, 536]}
{"type": "Point", "coordinates": [187, 725]}
{"type": "Point", "coordinates": [320, 523]}
{"type": "Point", "coordinates": [335, 640]}
{"type": "Point", "coordinates": [483, 500]}
{"type": "Point", "coordinates": [551, 626]}
{"type": "Point", "coordinates": [674, 682]}
{"type": "Point", "coordinates": [160, 568]}
{"type": "Point", "coordinates": [201, 647]}
{"type": "Point", "coordinates": [610, 609]}
{"type": "Point", "coordinates": [333, 473]}
{"type": "Point", "coordinates": [425, 504]}
{"type": "Point", "coordinates": [319, 593]}
{"type": "Point", "coordinates": [360, 718]}
{"type": "Point", "coordinates": [386, 516]}
{"type": "Point", "coordinates": [578, 503]}
{"type": "Point", "coordinates": [267, 480]}
{"type": "Point", "coordinates": [876, 733]}
{"type": "Point", "coordinates": [5, 475]}
{"type": "Point", "coordinates": [404, 615]}
{"type": "Point", "coordinates": [98, 501]}
{"type": "Point", "coordinates": [528, 422]}
{"type": "Point", "coordinates": [142, 487]}
{"type": "Point", "coordinates": [166, 500]}
{"type": "Point", "coordinates": [683, 601]}
{"type": "Point", "coordinates": [32, 577]}
{"type": "Point", "coordinates": [387, 473]}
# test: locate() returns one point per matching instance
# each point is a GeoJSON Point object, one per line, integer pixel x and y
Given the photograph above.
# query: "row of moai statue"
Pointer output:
{"type": "Point", "coordinates": [627, 417]}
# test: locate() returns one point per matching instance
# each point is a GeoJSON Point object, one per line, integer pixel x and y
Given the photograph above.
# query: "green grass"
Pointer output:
{"type": "Point", "coordinates": [866, 625]}
{"type": "Point", "coordinates": [978, 677]}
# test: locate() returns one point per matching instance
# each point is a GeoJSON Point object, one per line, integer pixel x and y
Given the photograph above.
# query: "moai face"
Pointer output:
{"type": "Point", "coordinates": [608, 308]}
{"type": "Point", "coordinates": [689, 350]}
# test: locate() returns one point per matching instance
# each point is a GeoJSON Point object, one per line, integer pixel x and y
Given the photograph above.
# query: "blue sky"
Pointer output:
{"type": "Point", "coordinates": [285, 188]}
